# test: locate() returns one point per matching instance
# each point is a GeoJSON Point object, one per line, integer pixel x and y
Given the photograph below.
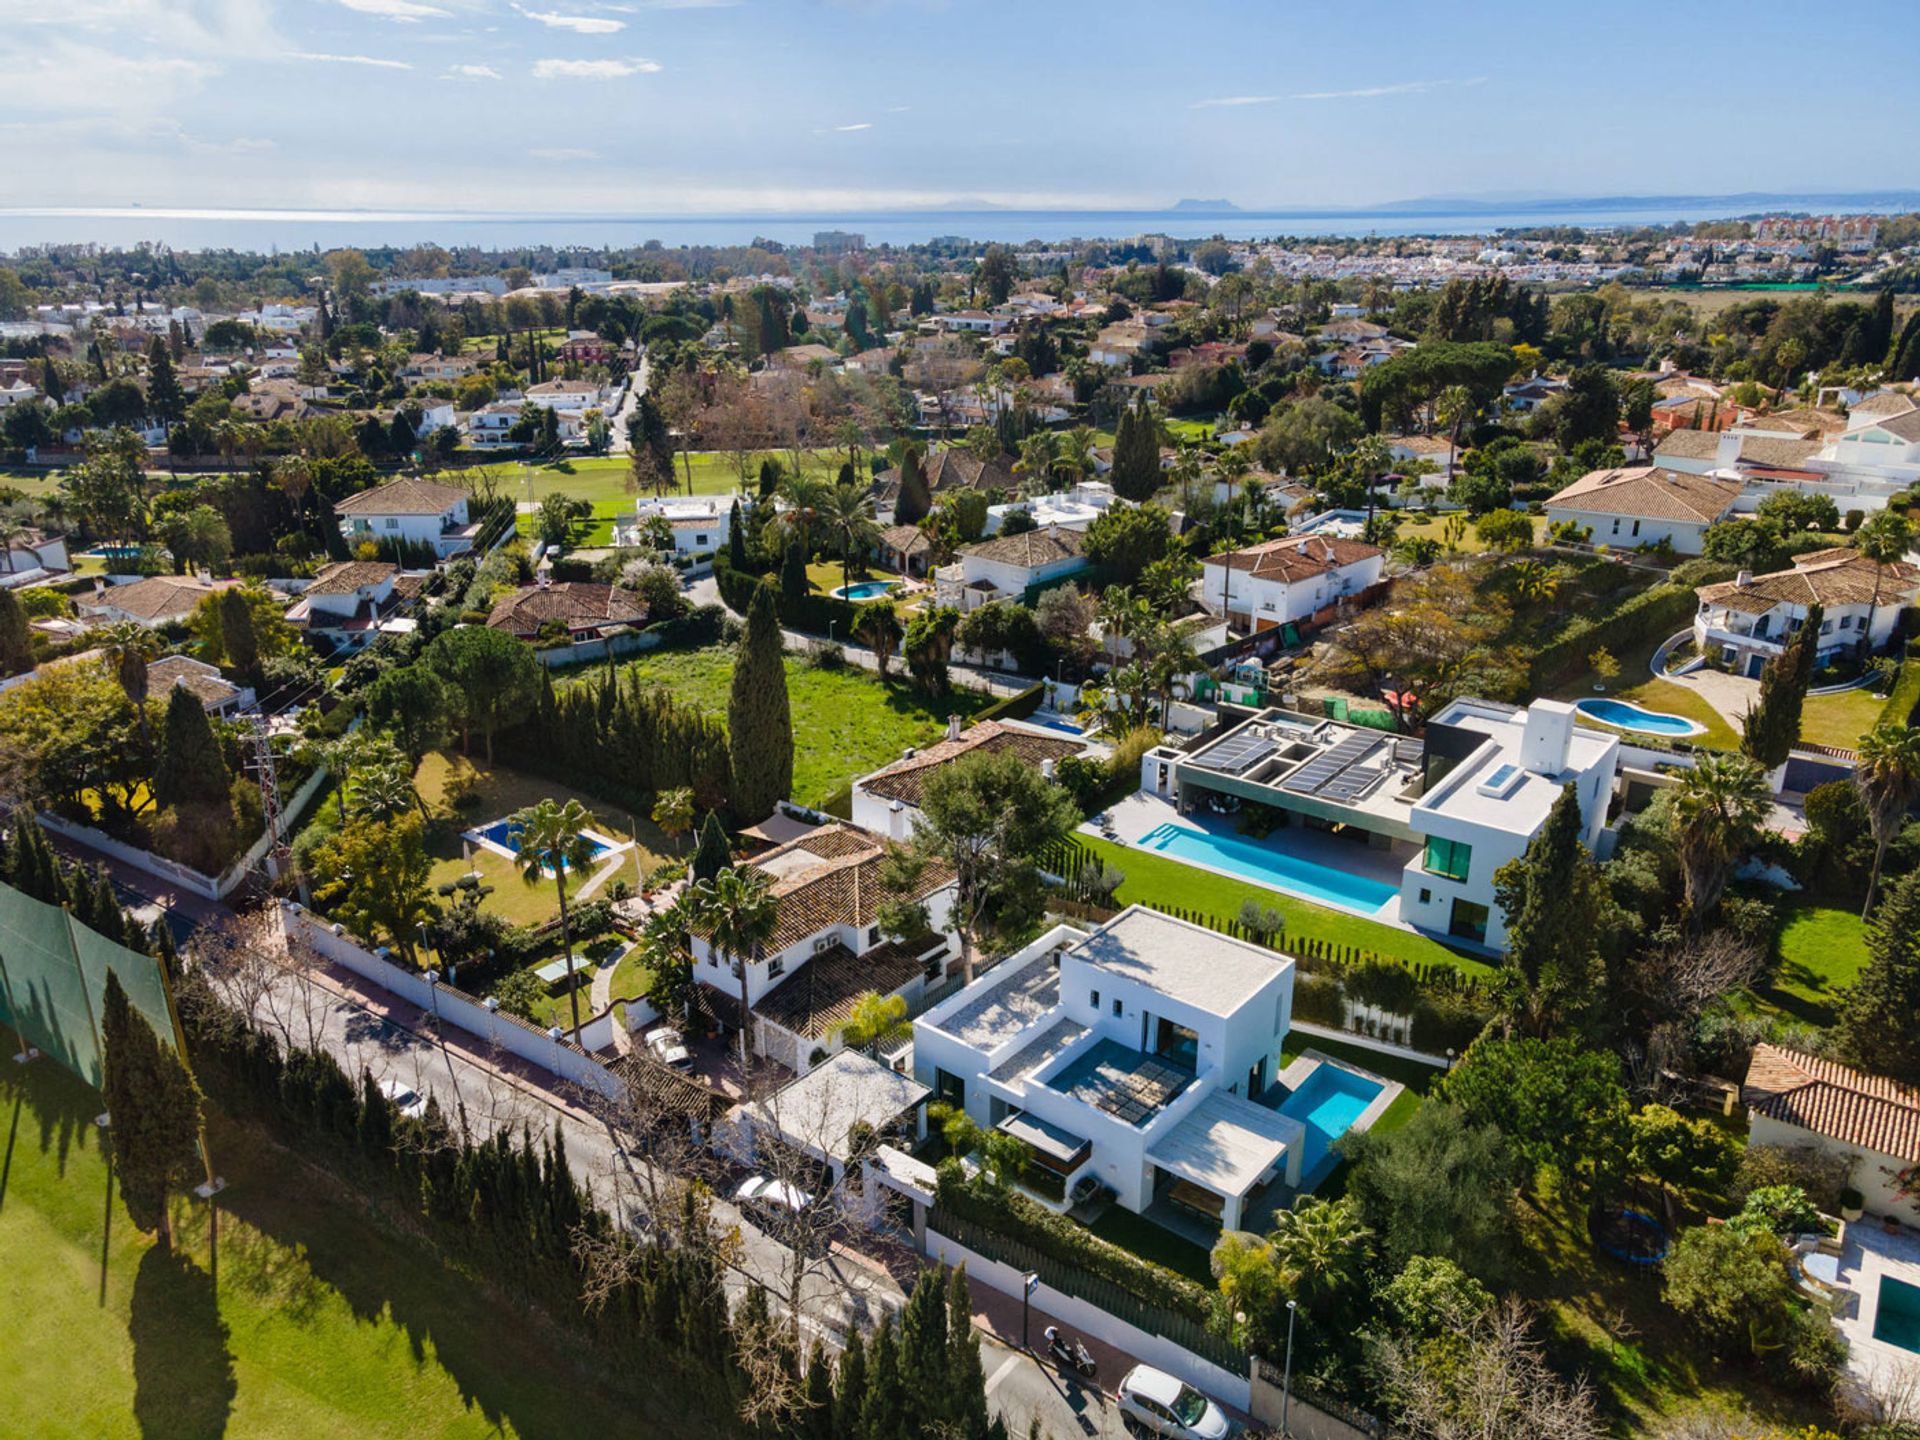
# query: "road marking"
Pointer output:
{"type": "Point", "coordinates": [1001, 1371]}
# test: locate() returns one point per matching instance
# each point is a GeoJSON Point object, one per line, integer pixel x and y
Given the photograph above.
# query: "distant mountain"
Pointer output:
{"type": "Point", "coordinates": [1205, 207]}
{"type": "Point", "coordinates": [1746, 202]}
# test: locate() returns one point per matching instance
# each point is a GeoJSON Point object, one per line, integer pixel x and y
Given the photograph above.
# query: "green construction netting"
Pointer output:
{"type": "Point", "coordinates": [53, 981]}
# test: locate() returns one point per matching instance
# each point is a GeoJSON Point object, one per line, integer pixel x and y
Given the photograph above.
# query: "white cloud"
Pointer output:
{"type": "Point", "coordinates": [638, 5]}
{"type": "Point", "coordinates": [1369, 92]}
{"type": "Point", "coordinates": [579, 24]}
{"type": "Point", "coordinates": [592, 69]}
{"type": "Point", "coordinates": [62, 76]}
{"type": "Point", "coordinates": [563, 153]}
{"type": "Point", "coordinates": [898, 109]}
{"type": "Point", "coordinates": [849, 129]}
{"type": "Point", "coordinates": [318, 58]}
{"type": "Point", "coordinates": [472, 72]}
{"type": "Point", "coordinates": [1226, 102]}
{"type": "Point", "coordinates": [405, 11]}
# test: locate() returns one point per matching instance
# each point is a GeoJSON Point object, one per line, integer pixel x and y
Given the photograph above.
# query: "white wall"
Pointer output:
{"type": "Point", "coordinates": [1870, 1172]}
{"type": "Point", "coordinates": [1628, 532]}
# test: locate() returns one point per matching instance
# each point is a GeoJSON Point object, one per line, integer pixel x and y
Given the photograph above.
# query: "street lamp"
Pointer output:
{"type": "Point", "coordinates": [1028, 1284]}
{"type": "Point", "coordinates": [1286, 1386]}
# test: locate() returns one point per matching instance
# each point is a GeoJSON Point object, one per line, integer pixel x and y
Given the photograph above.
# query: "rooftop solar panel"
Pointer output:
{"type": "Point", "coordinates": [1236, 754]}
{"type": "Point", "coordinates": [1312, 777]}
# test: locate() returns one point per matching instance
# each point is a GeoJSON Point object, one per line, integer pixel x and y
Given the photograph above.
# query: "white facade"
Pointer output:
{"type": "Point", "coordinates": [418, 512]}
{"type": "Point", "coordinates": [1288, 594]}
{"type": "Point", "coordinates": [1145, 994]}
{"type": "Point", "coordinates": [701, 524]}
{"type": "Point", "coordinates": [1073, 509]}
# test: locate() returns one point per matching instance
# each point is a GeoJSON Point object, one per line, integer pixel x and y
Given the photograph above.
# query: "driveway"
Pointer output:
{"type": "Point", "coordinates": [1731, 695]}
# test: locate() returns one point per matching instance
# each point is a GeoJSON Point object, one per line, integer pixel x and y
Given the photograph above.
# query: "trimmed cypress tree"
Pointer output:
{"type": "Point", "coordinates": [850, 1385]}
{"type": "Point", "coordinates": [16, 639]}
{"type": "Point", "coordinates": [759, 717]}
{"type": "Point", "coordinates": [190, 769]}
{"type": "Point", "coordinates": [1771, 727]}
{"type": "Point", "coordinates": [914, 500]}
{"type": "Point", "coordinates": [237, 637]}
{"type": "Point", "coordinates": [883, 1415]}
{"type": "Point", "coordinates": [965, 1381]}
{"type": "Point", "coordinates": [712, 854]}
{"type": "Point", "coordinates": [793, 574]}
{"type": "Point", "coordinates": [736, 540]}
{"type": "Point", "coordinates": [1876, 1029]}
{"type": "Point", "coordinates": [1136, 455]}
{"type": "Point", "coordinates": [815, 1420]}
{"type": "Point", "coordinates": [923, 1353]}
{"type": "Point", "coordinates": [155, 1111]}
{"type": "Point", "coordinates": [1550, 898]}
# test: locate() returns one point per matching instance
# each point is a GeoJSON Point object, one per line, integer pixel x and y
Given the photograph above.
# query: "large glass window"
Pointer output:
{"type": "Point", "coordinates": [1469, 920]}
{"type": "Point", "coordinates": [949, 1088]}
{"type": "Point", "coordinates": [1448, 858]}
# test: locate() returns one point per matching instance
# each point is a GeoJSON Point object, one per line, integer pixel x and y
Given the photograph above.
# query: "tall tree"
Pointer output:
{"type": "Point", "coordinates": [1887, 775]}
{"type": "Point", "coordinates": [154, 1112]}
{"type": "Point", "coordinates": [712, 854]}
{"type": "Point", "coordinates": [164, 398]}
{"type": "Point", "coordinates": [16, 639]}
{"type": "Point", "coordinates": [1719, 807]}
{"type": "Point", "coordinates": [877, 627]}
{"type": "Point", "coordinates": [759, 716]}
{"type": "Point", "coordinates": [190, 769]}
{"type": "Point", "coordinates": [1136, 454]}
{"type": "Point", "coordinates": [1885, 539]}
{"type": "Point", "coordinates": [237, 638]}
{"type": "Point", "coordinates": [910, 507]}
{"type": "Point", "coordinates": [1876, 1029]}
{"type": "Point", "coordinates": [494, 676]}
{"type": "Point", "coordinates": [1552, 898]}
{"type": "Point", "coordinates": [987, 819]}
{"type": "Point", "coordinates": [1771, 727]}
{"type": "Point", "coordinates": [553, 843]}
{"type": "Point", "coordinates": [738, 913]}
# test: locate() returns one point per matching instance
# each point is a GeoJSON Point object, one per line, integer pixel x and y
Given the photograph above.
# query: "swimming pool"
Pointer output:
{"type": "Point", "coordinates": [866, 590]}
{"type": "Point", "coordinates": [1055, 722]}
{"type": "Point", "coordinates": [1264, 865]}
{"type": "Point", "coordinates": [1897, 1321]}
{"type": "Point", "coordinates": [1628, 716]}
{"type": "Point", "coordinates": [504, 836]}
{"type": "Point", "coordinates": [1327, 1102]}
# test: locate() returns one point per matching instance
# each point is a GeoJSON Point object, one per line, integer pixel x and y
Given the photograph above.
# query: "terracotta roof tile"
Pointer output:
{"type": "Point", "coordinates": [574, 603]}
{"type": "Point", "coordinates": [1030, 550]}
{"type": "Point", "coordinates": [832, 876]}
{"type": "Point", "coordinates": [817, 999]}
{"type": "Point", "coordinates": [1834, 1100]}
{"type": "Point", "coordinates": [406, 496]}
{"type": "Point", "coordinates": [1832, 577]}
{"type": "Point", "coordinates": [1296, 557]}
{"type": "Point", "coordinates": [905, 779]}
{"type": "Point", "coordinates": [1650, 491]}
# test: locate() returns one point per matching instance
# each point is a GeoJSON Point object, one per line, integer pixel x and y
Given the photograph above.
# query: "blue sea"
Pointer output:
{"type": "Point", "coordinates": [285, 230]}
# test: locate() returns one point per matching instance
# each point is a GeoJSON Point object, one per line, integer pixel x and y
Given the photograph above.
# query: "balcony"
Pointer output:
{"type": "Point", "coordinates": [1741, 641]}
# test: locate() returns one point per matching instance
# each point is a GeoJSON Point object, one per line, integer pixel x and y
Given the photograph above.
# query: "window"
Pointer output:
{"type": "Point", "coordinates": [873, 936]}
{"type": "Point", "coordinates": [949, 1088]}
{"type": "Point", "coordinates": [700, 540]}
{"type": "Point", "coordinates": [1093, 998]}
{"type": "Point", "coordinates": [1450, 859]}
{"type": "Point", "coordinates": [1636, 527]}
{"type": "Point", "coordinates": [1426, 896]}
{"type": "Point", "coordinates": [776, 967]}
{"type": "Point", "coordinates": [1469, 921]}
{"type": "Point", "coordinates": [1116, 1004]}
{"type": "Point", "coordinates": [393, 524]}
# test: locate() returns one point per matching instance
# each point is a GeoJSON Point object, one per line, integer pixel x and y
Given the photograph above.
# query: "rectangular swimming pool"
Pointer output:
{"type": "Point", "coordinates": [506, 835]}
{"type": "Point", "coordinates": [1897, 1321]}
{"type": "Point", "coordinates": [1264, 865]}
{"type": "Point", "coordinates": [1327, 1102]}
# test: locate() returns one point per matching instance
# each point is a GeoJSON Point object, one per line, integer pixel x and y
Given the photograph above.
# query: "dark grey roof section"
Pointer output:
{"type": "Point", "coordinates": [1315, 776]}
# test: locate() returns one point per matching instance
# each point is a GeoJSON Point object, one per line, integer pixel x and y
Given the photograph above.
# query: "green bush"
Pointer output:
{"type": "Point", "coordinates": [1317, 998]}
{"type": "Point", "coordinates": [1652, 614]}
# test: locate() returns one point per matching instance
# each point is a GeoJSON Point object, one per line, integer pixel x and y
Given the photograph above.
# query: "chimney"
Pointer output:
{"type": "Point", "coordinates": [1547, 737]}
{"type": "Point", "coordinates": [1046, 769]}
{"type": "Point", "coordinates": [953, 727]}
{"type": "Point", "coordinates": [897, 821]}
{"type": "Point", "coordinates": [1744, 580]}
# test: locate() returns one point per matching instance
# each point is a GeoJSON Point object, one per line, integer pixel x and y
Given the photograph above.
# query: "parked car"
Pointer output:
{"type": "Point", "coordinates": [1154, 1403]}
{"type": "Point", "coordinates": [404, 1097]}
{"type": "Point", "coordinates": [763, 1197]}
{"type": "Point", "coordinates": [667, 1046]}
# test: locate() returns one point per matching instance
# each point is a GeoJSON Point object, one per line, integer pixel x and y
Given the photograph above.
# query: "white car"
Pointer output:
{"type": "Point", "coordinates": [404, 1097]}
{"type": "Point", "coordinates": [1153, 1401]}
{"type": "Point", "coordinates": [668, 1048]}
{"type": "Point", "coordinates": [763, 1195]}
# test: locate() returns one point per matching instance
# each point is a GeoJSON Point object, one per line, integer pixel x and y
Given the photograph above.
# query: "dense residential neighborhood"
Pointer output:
{"type": "Point", "coordinates": [1186, 831]}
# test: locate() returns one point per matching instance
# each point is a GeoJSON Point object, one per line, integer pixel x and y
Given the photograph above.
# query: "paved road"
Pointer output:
{"type": "Point", "coordinates": [636, 387]}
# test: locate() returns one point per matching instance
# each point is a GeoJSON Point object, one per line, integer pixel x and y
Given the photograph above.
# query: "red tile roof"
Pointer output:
{"type": "Point", "coordinates": [1834, 1100]}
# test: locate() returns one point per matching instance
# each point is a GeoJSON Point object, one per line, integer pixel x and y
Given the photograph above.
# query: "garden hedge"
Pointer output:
{"type": "Point", "coordinates": [1652, 614]}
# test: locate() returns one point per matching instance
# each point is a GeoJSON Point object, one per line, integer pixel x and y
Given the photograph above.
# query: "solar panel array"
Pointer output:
{"type": "Point", "coordinates": [1316, 775]}
{"type": "Point", "coordinates": [1237, 753]}
{"type": "Point", "coordinates": [1135, 1091]}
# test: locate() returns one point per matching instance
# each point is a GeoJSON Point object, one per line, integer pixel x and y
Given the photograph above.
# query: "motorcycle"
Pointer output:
{"type": "Point", "coordinates": [1072, 1355]}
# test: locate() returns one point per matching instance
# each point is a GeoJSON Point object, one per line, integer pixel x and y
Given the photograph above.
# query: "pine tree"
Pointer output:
{"type": "Point", "coordinates": [883, 1416]}
{"type": "Point", "coordinates": [163, 387]}
{"type": "Point", "coordinates": [759, 717]}
{"type": "Point", "coordinates": [910, 507]}
{"type": "Point", "coordinates": [736, 540]}
{"type": "Point", "coordinates": [1771, 727]}
{"type": "Point", "coordinates": [850, 1385]}
{"type": "Point", "coordinates": [190, 769]}
{"type": "Point", "coordinates": [815, 1420]}
{"type": "Point", "coordinates": [1550, 898]}
{"type": "Point", "coordinates": [1876, 1029]}
{"type": "Point", "coordinates": [965, 1382]}
{"type": "Point", "coordinates": [711, 855]}
{"type": "Point", "coordinates": [16, 639]}
{"type": "Point", "coordinates": [154, 1108]}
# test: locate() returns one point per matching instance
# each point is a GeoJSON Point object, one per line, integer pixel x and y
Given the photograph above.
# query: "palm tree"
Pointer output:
{"type": "Point", "coordinates": [1039, 452]}
{"type": "Point", "coordinates": [805, 496]}
{"type": "Point", "coordinates": [664, 951]}
{"type": "Point", "coordinates": [1453, 407]}
{"type": "Point", "coordinates": [846, 512]}
{"type": "Point", "coordinates": [673, 811]}
{"type": "Point", "coordinates": [384, 792]}
{"type": "Point", "coordinates": [1719, 807]}
{"type": "Point", "coordinates": [875, 1019]}
{"type": "Point", "coordinates": [126, 646]}
{"type": "Point", "coordinates": [738, 913]}
{"type": "Point", "coordinates": [12, 532]}
{"type": "Point", "coordinates": [1534, 582]}
{"type": "Point", "coordinates": [552, 841]}
{"type": "Point", "coordinates": [1186, 470]}
{"type": "Point", "coordinates": [1073, 460]}
{"type": "Point", "coordinates": [1320, 1245]}
{"type": "Point", "coordinates": [1885, 540]}
{"type": "Point", "coordinates": [1887, 776]}
{"type": "Point", "coordinates": [878, 628]}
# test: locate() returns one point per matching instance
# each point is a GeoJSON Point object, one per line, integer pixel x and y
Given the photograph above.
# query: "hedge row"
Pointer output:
{"type": "Point", "coordinates": [811, 614]}
{"type": "Point", "coordinates": [1651, 615]}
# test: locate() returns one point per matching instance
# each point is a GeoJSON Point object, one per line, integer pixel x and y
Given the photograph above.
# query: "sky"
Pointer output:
{"type": "Point", "coordinates": [691, 107]}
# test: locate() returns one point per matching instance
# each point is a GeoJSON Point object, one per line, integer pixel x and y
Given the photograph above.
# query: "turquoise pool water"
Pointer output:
{"type": "Point", "coordinates": [507, 835]}
{"type": "Point", "coordinates": [866, 589]}
{"type": "Point", "coordinates": [1264, 865]}
{"type": "Point", "coordinates": [1631, 717]}
{"type": "Point", "coordinates": [1327, 1103]}
{"type": "Point", "coordinates": [1898, 1319]}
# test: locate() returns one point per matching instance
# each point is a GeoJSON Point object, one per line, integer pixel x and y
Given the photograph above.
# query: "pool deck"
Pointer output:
{"type": "Point", "coordinates": [1140, 814]}
{"type": "Point", "coordinates": [1875, 1368]}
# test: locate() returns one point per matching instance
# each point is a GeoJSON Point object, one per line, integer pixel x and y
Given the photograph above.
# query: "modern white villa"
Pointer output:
{"type": "Point", "coordinates": [1073, 509]}
{"type": "Point", "coordinates": [1863, 467]}
{"type": "Point", "coordinates": [1386, 826]}
{"type": "Point", "coordinates": [1144, 1055]}
{"type": "Point", "coordinates": [700, 524]}
{"type": "Point", "coordinates": [1747, 620]}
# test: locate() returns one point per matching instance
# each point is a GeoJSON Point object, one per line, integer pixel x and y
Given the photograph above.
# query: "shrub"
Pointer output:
{"type": "Point", "coordinates": [1733, 1285]}
{"type": "Point", "coordinates": [1652, 614]}
{"type": "Point", "coordinates": [828, 657]}
{"type": "Point", "coordinates": [1317, 998]}
{"type": "Point", "coordinates": [1818, 1175]}
{"type": "Point", "coordinates": [1447, 1018]}
{"type": "Point", "coordinates": [1778, 1210]}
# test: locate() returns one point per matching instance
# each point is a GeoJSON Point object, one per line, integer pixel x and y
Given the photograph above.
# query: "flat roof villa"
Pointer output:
{"type": "Point", "coordinates": [1395, 828]}
{"type": "Point", "coordinates": [1145, 1055]}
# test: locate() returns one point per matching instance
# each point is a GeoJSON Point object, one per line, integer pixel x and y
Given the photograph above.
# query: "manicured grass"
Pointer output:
{"type": "Point", "coordinates": [1822, 950]}
{"type": "Point", "coordinates": [35, 482]}
{"type": "Point", "coordinates": [1637, 685]}
{"type": "Point", "coordinates": [1140, 1236]}
{"type": "Point", "coordinates": [845, 722]}
{"type": "Point", "coordinates": [1420, 523]}
{"type": "Point", "coordinates": [1153, 879]}
{"type": "Point", "coordinates": [1840, 720]}
{"type": "Point", "coordinates": [323, 1321]}
{"type": "Point", "coordinates": [601, 480]}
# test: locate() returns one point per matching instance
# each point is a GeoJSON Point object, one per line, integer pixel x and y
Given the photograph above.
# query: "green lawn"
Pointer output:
{"type": "Point", "coordinates": [601, 480]}
{"type": "Point", "coordinates": [845, 722]}
{"type": "Point", "coordinates": [323, 1322]}
{"type": "Point", "coordinates": [1822, 950]}
{"type": "Point", "coordinates": [1840, 720]}
{"type": "Point", "coordinates": [1635, 683]}
{"type": "Point", "coordinates": [1157, 880]}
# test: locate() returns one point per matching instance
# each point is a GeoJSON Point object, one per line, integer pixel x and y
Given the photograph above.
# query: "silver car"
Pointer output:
{"type": "Point", "coordinates": [666, 1046]}
{"type": "Point", "coordinates": [1153, 1402]}
{"type": "Point", "coordinates": [404, 1097]}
